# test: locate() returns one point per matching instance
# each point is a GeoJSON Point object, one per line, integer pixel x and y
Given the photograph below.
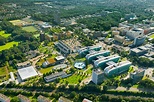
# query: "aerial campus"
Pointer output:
{"type": "Point", "coordinates": [76, 51]}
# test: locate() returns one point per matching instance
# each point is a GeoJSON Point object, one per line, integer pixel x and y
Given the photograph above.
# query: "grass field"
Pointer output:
{"type": "Point", "coordinates": [29, 29]}
{"type": "Point", "coordinates": [3, 34]}
{"type": "Point", "coordinates": [17, 22]}
{"type": "Point", "coordinates": [2, 71]}
{"type": "Point", "coordinates": [8, 45]}
{"type": "Point", "coordinates": [152, 36]}
{"type": "Point", "coordinates": [74, 79]}
{"type": "Point", "coordinates": [45, 70]}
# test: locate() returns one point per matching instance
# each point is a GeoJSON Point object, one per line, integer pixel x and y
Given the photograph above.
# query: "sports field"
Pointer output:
{"type": "Point", "coordinates": [8, 45]}
{"type": "Point", "coordinates": [3, 34]}
{"type": "Point", "coordinates": [18, 22]}
{"type": "Point", "coordinates": [29, 29]}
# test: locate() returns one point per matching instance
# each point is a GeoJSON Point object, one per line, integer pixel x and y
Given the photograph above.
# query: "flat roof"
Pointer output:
{"type": "Point", "coordinates": [80, 65]}
{"type": "Point", "coordinates": [27, 72]}
{"type": "Point", "coordinates": [60, 66]}
{"type": "Point", "coordinates": [59, 57]}
{"type": "Point", "coordinates": [63, 99]}
{"type": "Point", "coordinates": [136, 50]}
{"type": "Point", "coordinates": [40, 97]}
{"type": "Point", "coordinates": [2, 96]}
{"type": "Point", "coordinates": [98, 71]}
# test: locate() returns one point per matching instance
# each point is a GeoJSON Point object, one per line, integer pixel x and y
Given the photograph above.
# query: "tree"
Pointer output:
{"type": "Point", "coordinates": [105, 88]}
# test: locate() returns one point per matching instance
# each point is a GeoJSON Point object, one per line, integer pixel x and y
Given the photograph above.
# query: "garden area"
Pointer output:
{"type": "Point", "coordinates": [8, 45]}
{"type": "Point", "coordinates": [78, 76]}
{"type": "Point", "coordinates": [3, 34]}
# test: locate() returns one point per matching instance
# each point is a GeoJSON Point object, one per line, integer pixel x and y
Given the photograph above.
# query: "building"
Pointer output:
{"type": "Point", "coordinates": [97, 76]}
{"type": "Point", "coordinates": [63, 99]}
{"type": "Point", "coordinates": [80, 65]}
{"type": "Point", "coordinates": [115, 32]}
{"type": "Point", "coordinates": [49, 62]}
{"type": "Point", "coordinates": [55, 76]}
{"type": "Point", "coordinates": [130, 16]}
{"type": "Point", "coordinates": [60, 66]}
{"type": "Point", "coordinates": [139, 41]}
{"type": "Point", "coordinates": [139, 74]}
{"type": "Point", "coordinates": [84, 51]}
{"type": "Point", "coordinates": [63, 47]}
{"type": "Point", "coordinates": [4, 98]}
{"type": "Point", "coordinates": [12, 76]}
{"type": "Point", "coordinates": [27, 72]}
{"type": "Point", "coordinates": [97, 34]}
{"type": "Point", "coordinates": [41, 98]}
{"type": "Point", "coordinates": [139, 51]}
{"type": "Point", "coordinates": [57, 17]}
{"type": "Point", "coordinates": [86, 100]}
{"type": "Point", "coordinates": [117, 68]}
{"type": "Point", "coordinates": [93, 55]}
{"type": "Point", "coordinates": [42, 36]}
{"type": "Point", "coordinates": [23, 98]}
{"type": "Point", "coordinates": [133, 33]}
{"type": "Point", "coordinates": [119, 39]}
{"type": "Point", "coordinates": [59, 59]}
{"type": "Point", "coordinates": [101, 62]}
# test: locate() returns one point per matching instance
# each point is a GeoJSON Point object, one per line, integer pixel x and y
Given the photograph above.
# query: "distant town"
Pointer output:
{"type": "Point", "coordinates": [77, 51]}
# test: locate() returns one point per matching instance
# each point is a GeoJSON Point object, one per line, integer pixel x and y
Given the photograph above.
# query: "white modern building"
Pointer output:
{"type": "Point", "coordinates": [117, 68]}
{"type": "Point", "coordinates": [27, 72]}
{"type": "Point", "coordinates": [133, 33]}
{"type": "Point", "coordinates": [94, 54]}
{"type": "Point", "coordinates": [101, 62]}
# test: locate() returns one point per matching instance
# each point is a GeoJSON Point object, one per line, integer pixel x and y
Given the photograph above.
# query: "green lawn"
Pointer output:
{"type": "Point", "coordinates": [45, 70]}
{"type": "Point", "coordinates": [2, 71]}
{"type": "Point", "coordinates": [3, 34]}
{"type": "Point", "coordinates": [29, 29]}
{"type": "Point", "coordinates": [152, 36]}
{"type": "Point", "coordinates": [8, 45]}
{"type": "Point", "coordinates": [74, 79]}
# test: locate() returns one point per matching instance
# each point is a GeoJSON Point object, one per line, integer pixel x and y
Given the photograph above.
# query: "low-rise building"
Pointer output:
{"type": "Point", "coordinates": [41, 98]}
{"type": "Point", "coordinates": [55, 76]}
{"type": "Point", "coordinates": [97, 76]}
{"type": "Point", "coordinates": [59, 59]}
{"type": "Point", "coordinates": [60, 66]}
{"type": "Point", "coordinates": [4, 98]}
{"type": "Point", "coordinates": [49, 62]}
{"type": "Point", "coordinates": [23, 98]}
{"type": "Point", "coordinates": [27, 72]}
{"type": "Point", "coordinates": [115, 32]}
{"type": "Point", "coordinates": [86, 100]}
{"type": "Point", "coordinates": [139, 74]}
{"type": "Point", "coordinates": [63, 99]}
{"type": "Point", "coordinates": [139, 51]}
{"type": "Point", "coordinates": [119, 38]}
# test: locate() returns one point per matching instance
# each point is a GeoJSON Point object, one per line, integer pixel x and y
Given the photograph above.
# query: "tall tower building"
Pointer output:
{"type": "Point", "coordinates": [97, 76]}
{"type": "Point", "coordinates": [42, 36]}
{"type": "Point", "coordinates": [57, 17]}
